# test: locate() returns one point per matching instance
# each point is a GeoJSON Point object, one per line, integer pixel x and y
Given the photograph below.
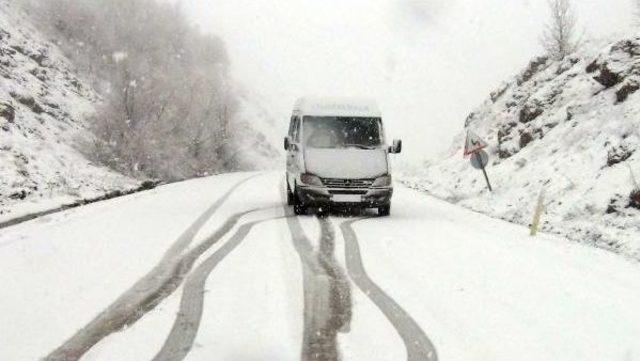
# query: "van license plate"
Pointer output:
{"type": "Point", "coordinates": [347, 198]}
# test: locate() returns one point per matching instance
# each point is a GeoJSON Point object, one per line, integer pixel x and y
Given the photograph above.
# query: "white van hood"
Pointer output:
{"type": "Point", "coordinates": [346, 163]}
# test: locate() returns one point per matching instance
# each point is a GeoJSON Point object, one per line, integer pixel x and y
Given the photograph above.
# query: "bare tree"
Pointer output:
{"type": "Point", "coordinates": [559, 38]}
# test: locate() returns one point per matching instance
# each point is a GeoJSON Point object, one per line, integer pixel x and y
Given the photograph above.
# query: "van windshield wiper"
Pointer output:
{"type": "Point", "coordinates": [359, 146]}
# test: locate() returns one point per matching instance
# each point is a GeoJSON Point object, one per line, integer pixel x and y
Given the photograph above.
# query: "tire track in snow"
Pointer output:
{"type": "Point", "coordinates": [151, 289]}
{"type": "Point", "coordinates": [341, 301]}
{"type": "Point", "coordinates": [187, 237]}
{"type": "Point", "coordinates": [327, 296]}
{"type": "Point", "coordinates": [185, 328]}
{"type": "Point", "coordinates": [418, 345]}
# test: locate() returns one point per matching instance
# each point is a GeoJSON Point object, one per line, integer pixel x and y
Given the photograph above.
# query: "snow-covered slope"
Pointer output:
{"type": "Point", "coordinates": [570, 128]}
{"type": "Point", "coordinates": [257, 134]}
{"type": "Point", "coordinates": [43, 104]}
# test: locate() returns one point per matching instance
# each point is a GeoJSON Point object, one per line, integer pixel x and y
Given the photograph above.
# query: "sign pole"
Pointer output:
{"type": "Point", "coordinates": [484, 171]}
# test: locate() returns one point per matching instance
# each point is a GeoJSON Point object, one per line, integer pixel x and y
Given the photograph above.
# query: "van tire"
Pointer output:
{"type": "Point", "coordinates": [299, 208]}
{"type": "Point", "coordinates": [384, 211]}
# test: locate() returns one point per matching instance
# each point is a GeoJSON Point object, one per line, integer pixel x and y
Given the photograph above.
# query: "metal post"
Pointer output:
{"type": "Point", "coordinates": [484, 171]}
{"type": "Point", "coordinates": [535, 224]}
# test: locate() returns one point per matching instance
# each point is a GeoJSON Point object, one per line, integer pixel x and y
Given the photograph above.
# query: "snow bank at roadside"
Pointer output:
{"type": "Point", "coordinates": [569, 127]}
{"type": "Point", "coordinates": [43, 104]}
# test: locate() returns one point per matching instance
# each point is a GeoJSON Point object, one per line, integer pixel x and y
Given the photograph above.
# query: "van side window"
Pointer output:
{"type": "Point", "coordinates": [292, 126]}
{"type": "Point", "coordinates": [296, 130]}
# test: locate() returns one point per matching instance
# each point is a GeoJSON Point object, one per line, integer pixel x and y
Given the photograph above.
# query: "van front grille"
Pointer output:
{"type": "Point", "coordinates": [348, 191]}
{"type": "Point", "coordinates": [347, 183]}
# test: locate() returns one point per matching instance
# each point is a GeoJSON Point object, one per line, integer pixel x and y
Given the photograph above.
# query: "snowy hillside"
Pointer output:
{"type": "Point", "coordinates": [570, 128]}
{"type": "Point", "coordinates": [42, 108]}
{"type": "Point", "coordinates": [258, 135]}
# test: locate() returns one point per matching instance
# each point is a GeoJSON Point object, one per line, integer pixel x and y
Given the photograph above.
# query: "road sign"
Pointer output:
{"type": "Point", "coordinates": [473, 143]}
{"type": "Point", "coordinates": [480, 160]}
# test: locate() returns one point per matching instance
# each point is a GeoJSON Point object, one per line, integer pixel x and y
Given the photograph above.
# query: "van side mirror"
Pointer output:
{"type": "Point", "coordinates": [287, 143]}
{"type": "Point", "coordinates": [396, 148]}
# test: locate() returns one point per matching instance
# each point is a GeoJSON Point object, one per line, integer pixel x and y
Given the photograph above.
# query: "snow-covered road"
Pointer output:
{"type": "Point", "coordinates": [219, 268]}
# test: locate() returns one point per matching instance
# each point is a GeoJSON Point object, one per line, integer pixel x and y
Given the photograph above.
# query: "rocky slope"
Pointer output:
{"type": "Point", "coordinates": [43, 105]}
{"type": "Point", "coordinates": [570, 128]}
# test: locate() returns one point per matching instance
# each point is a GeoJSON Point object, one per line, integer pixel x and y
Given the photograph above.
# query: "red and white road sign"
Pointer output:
{"type": "Point", "coordinates": [473, 144]}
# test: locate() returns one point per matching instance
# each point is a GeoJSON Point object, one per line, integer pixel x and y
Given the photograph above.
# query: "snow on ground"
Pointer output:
{"type": "Point", "coordinates": [483, 289]}
{"type": "Point", "coordinates": [570, 128]}
{"type": "Point", "coordinates": [369, 327]}
{"type": "Point", "coordinates": [256, 314]}
{"type": "Point", "coordinates": [254, 294]}
{"type": "Point", "coordinates": [480, 288]}
{"type": "Point", "coordinates": [43, 106]}
{"type": "Point", "coordinates": [66, 267]}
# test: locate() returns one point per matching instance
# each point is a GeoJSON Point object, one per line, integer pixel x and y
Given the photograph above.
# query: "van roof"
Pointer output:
{"type": "Point", "coordinates": [334, 106]}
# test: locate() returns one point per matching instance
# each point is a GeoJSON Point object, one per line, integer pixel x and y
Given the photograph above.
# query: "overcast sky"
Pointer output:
{"type": "Point", "coordinates": [428, 62]}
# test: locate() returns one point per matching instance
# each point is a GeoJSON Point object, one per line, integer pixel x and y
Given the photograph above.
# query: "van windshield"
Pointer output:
{"type": "Point", "coordinates": [342, 132]}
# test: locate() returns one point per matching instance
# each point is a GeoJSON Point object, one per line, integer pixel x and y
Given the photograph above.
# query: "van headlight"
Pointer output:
{"type": "Point", "coordinates": [311, 180]}
{"type": "Point", "coordinates": [384, 181]}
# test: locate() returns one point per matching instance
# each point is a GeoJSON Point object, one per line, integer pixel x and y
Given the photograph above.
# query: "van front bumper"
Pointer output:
{"type": "Point", "coordinates": [323, 196]}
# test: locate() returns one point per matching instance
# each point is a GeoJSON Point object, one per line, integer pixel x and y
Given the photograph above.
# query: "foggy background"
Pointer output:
{"type": "Point", "coordinates": [429, 63]}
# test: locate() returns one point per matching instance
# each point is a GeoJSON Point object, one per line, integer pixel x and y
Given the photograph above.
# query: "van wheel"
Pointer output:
{"type": "Point", "coordinates": [299, 208]}
{"type": "Point", "coordinates": [384, 210]}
